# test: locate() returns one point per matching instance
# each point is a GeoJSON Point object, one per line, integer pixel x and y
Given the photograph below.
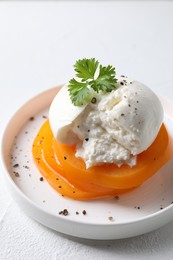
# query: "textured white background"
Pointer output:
{"type": "Point", "coordinates": [39, 42]}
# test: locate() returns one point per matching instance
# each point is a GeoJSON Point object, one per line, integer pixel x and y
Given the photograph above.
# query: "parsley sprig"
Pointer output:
{"type": "Point", "coordinates": [92, 78]}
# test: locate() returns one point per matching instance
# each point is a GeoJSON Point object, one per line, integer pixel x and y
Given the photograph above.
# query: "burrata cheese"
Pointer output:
{"type": "Point", "coordinates": [115, 129]}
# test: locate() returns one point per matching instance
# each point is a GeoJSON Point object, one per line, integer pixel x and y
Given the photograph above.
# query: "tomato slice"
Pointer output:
{"type": "Point", "coordinates": [111, 176]}
{"type": "Point", "coordinates": [49, 166]}
{"type": "Point", "coordinates": [68, 175]}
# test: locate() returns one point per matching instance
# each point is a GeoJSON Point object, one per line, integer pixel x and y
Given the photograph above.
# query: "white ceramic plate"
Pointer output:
{"type": "Point", "coordinates": [139, 211]}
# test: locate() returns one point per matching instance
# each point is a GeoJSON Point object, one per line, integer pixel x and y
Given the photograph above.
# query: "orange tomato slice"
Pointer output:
{"type": "Point", "coordinates": [68, 175]}
{"type": "Point", "coordinates": [47, 162]}
{"type": "Point", "coordinates": [110, 175]}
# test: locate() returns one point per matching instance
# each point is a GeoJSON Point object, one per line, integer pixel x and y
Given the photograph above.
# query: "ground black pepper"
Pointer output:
{"type": "Point", "coordinates": [26, 167]}
{"type": "Point", "coordinates": [93, 100]}
{"type": "Point", "coordinates": [16, 174]}
{"type": "Point", "coordinates": [64, 212]}
{"type": "Point", "coordinates": [41, 179]}
{"type": "Point", "coordinates": [16, 165]}
{"type": "Point", "coordinates": [84, 212]}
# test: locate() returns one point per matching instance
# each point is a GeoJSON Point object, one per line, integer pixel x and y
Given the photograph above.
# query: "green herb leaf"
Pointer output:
{"type": "Point", "coordinates": [79, 93]}
{"type": "Point", "coordinates": [86, 68]}
{"type": "Point", "coordinates": [82, 92]}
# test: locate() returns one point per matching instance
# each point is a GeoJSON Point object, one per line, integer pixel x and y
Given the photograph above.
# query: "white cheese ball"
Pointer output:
{"type": "Point", "coordinates": [119, 126]}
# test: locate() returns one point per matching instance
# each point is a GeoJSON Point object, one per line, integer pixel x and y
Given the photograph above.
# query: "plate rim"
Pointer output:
{"type": "Point", "coordinates": [13, 188]}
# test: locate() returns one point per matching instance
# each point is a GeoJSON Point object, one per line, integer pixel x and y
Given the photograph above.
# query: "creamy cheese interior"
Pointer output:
{"type": "Point", "coordinates": [115, 129]}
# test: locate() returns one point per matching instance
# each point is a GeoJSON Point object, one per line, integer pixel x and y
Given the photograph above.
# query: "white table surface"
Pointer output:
{"type": "Point", "coordinates": [39, 43]}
